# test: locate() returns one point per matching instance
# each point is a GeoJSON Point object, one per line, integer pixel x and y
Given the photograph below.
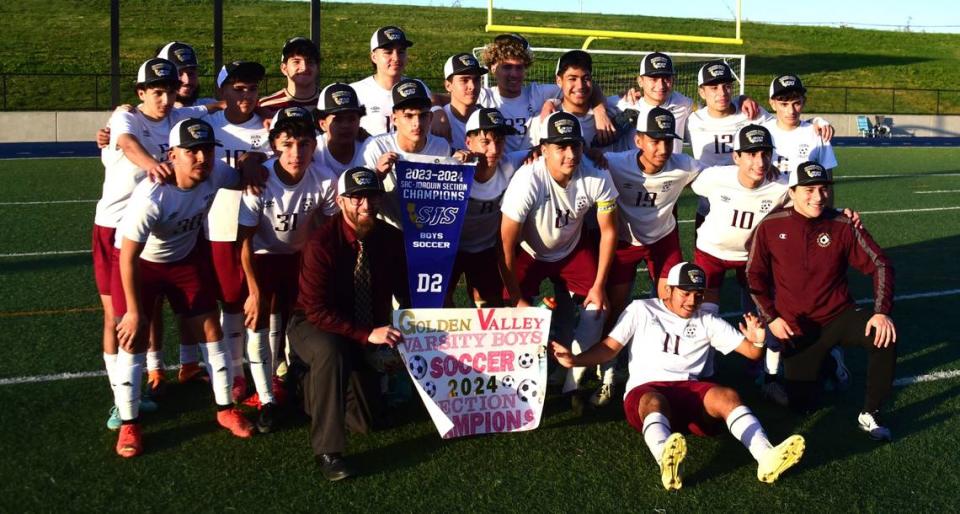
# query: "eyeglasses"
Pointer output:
{"type": "Point", "coordinates": [357, 200]}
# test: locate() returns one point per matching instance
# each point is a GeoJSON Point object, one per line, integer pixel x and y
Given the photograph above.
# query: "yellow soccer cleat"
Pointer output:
{"type": "Point", "coordinates": [780, 458]}
{"type": "Point", "coordinates": [674, 450]}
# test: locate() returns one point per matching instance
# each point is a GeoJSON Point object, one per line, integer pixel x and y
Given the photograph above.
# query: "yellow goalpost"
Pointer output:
{"type": "Point", "coordinates": [593, 34]}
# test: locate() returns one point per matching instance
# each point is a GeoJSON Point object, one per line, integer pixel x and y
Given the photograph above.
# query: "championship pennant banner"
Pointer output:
{"type": "Point", "coordinates": [478, 371]}
{"type": "Point", "coordinates": [433, 203]}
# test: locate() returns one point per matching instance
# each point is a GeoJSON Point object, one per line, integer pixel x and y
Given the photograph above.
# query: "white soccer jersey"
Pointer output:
{"type": "Point", "coordinates": [588, 128]}
{"type": "Point", "coordinates": [734, 210]}
{"type": "Point", "coordinates": [325, 160]}
{"type": "Point", "coordinates": [283, 213]}
{"type": "Point", "coordinates": [379, 104]}
{"type": "Point", "coordinates": [646, 200]}
{"type": "Point", "coordinates": [521, 111]}
{"type": "Point", "coordinates": [799, 145]}
{"type": "Point", "coordinates": [712, 138]}
{"type": "Point", "coordinates": [168, 218]}
{"type": "Point", "coordinates": [552, 216]}
{"type": "Point", "coordinates": [237, 140]}
{"type": "Point", "coordinates": [458, 129]}
{"type": "Point", "coordinates": [679, 105]}
{"type": "Point", "coordinates": [481, 227]}
{"type": "Point", "coordinates": [121, 175]}
{"type": "Point", "coordinates": [374, 147]}
{"type": "Point", "coordinates": [665, 347]}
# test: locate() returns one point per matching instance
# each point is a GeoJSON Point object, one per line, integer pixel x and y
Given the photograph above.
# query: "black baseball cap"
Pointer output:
{"type": "Point", "coordinates": [180, 54]}
{"type": "Point", "coordinates": [561, 127]}
{"type": "Point", "coordinates": [489, 120]}
{"type": "Point", "coordinates": [462, 64]}
{"type": "Point", "coordinates": [157, 70]}
{"type": "Point", "coordinates": [577, 58]}
{"type": "Point", "coordinates": [293, 113]}
{"type": "Point", "coordinates": [656, 64]}
{"type": "Point", "coordinates": [338, 97]}
{"type": "Point", "coordinates": [299, 45]}
{"type": "Point", "coordinates": [751, 138]}
{"type": "Point", "coordinates": [715, 72]}
{"type": "Point", "coordinates": [687, 276]}
{"type": "Point", "coordinates": [786, 84]}
{"type": "Point", "coordinates": [388, 36]}
{"type": "Point", "coordinates": [244, 71]}
{"type": "Point", "coordinates": [659, 123]}
{"type": "Point", "coordinates": [810, 173]}
{"type": "Point", "coordinates": [359, 181]}
{"type": "Point", "coordinates": [410, 93]}
{"type": "Point", "coordinates": [192, 132]}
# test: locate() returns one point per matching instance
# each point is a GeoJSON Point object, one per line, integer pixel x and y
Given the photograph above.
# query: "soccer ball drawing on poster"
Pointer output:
{"type": "Point", "coordinates": [430, 388]}
{"type": "Point", "coordinates": [507, 381]}
{"type": "Point", "coordinates": [525, 360]}
{"type": "Point", "coordinates": [528, 390]}
{"type": "Point", "coordinates": [418, 367]}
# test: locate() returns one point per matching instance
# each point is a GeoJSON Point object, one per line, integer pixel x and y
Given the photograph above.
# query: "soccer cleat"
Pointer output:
{"type": "Point", "coordinates": [189, 372]}
{"type": "Point", "coordinates": [602, 396]}
{"type": "Point", "coordinates": [842, 374]}
{"type": "Point", "coordinates": [232, 419]}
{"type": "Point", "coordinates": [114, 421]}
{"type": "Point", "coordinates": [674, 451]}
{"type": "Point", "coordinates": [239, 390]}
{"type": "Point", "coordinates": [128, 442]}
{"type": "Point", "coordinates": [267, 418]}
{"type": "Point", "coordinates": [156, 383]}
{"type": "Point", "coordinates": [780, 458]}
{"type": "Point", "coordinates": [775, 392]}
{"type": "Point", "coordinates": [871, 424]}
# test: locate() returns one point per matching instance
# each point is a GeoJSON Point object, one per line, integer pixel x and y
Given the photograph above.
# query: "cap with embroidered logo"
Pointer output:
{"type": "Point", "coordinates": [359, 181]}
{"type": "Point", "coordinates": [715, 72]}
{"type": "Point", "coordinates": [410, 93]}
{"type": "Point", "coordinates": [687, 276]}
{"type": "Point", "coordinates": [659, 123]}
{"type": "Point", "coordinates": [388, 36]}
{"type": "Point", "coordinates": [339, 97]}
{"type": "Point", "coordinates": [786, 84]}
{"type": "Point", "coordinates": [810, 173]}
{"type": "Point", "coordinates": [489, 120]}
{"type": "Point", "coordinates": [656, 64]}
{"type": "Point", "coordinates": [157, 70]}
{"type": "Point", "coordinates": [192, 132]}
{"type": "Point", "coordinates": [291, 113]}
{"type": "Point", "coordinates": [243, 71]}
{"type": "Point", "coordinates": [561, 127]}
{"type": "Point", "coordinates": [751, 138]}
{"type": "Point", "coordinates": [463, 64]}
{"type": "Point", "coordinates": [180, 54]}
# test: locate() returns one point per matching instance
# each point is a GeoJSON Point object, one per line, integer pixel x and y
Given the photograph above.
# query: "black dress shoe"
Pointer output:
{"type": "Point", "coordinates": [267, 419]}
{"type": "Point", "coordinates": [333, 466]}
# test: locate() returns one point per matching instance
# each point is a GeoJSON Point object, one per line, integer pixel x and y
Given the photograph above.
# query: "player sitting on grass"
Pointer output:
{"type": "Point", "coordinates": [157, 240]}
{"type": "Point", "coordinates": [462, 80]}
{"type": "Point", "coordinates": [136, 148]}
{"type": "Point", "coordinates": [275, 225]}
{"type": "Point", "coordinates": [669, 342]}
{"type": "Point", "coordinates": [298, 62]}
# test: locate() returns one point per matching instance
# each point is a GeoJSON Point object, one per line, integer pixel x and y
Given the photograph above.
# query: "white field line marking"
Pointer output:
{"type": "Point", "coordinates": [51, 202]}
{"type": "Point", "coordinates": [937, 192]}
{"type": "Point", "coordinates": [40, 254]}
{"type": "Point", "coordinates": [898, 175]}
{"type": "Point", "coordinates": [930, 377]}
{"type": "Point", "coordinates": [931, 209]}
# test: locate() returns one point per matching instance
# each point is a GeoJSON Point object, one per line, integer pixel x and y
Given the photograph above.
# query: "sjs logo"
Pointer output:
{"type": "Point", "coordinates": [431, 216]}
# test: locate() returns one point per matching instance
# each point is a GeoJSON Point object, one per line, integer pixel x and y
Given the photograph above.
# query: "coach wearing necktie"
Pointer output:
{"type": "Point", "coordinates": [352, 267]}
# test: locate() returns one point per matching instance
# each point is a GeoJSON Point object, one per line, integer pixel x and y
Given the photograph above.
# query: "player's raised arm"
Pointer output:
{"type": "Point", "coordinates": [598, 354]}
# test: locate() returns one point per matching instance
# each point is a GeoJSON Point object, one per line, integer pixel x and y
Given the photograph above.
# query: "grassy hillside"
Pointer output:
{"type": "Point", "coordinates": [72, 36]}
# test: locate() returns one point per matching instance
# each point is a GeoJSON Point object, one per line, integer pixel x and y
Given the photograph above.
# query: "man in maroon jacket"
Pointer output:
{"type": "Point", "coordinates": [797, 273]}
{"type": "Point", "coordinates": [352, 266]}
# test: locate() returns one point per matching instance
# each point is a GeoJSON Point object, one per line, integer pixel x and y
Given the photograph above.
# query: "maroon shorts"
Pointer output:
{"type": "Point", "coordinates": [660, 256]}
{"type": "Point", "coordinates": [716, 268]}
{"type": "Point", "coordinates": [483, 274]}
{"type": "Point", "coordinates": [685, 398]}
{"type": "Point", "coordinates": [104, 255]}
{"type": "Point", "coordinates": [224, 257]}
{"type": "Point", "coordinates": [188, 285]}
{"type": "Point", "coordinates": [578, 270]}
{"type": "Point", "coordinates": [278, 274]}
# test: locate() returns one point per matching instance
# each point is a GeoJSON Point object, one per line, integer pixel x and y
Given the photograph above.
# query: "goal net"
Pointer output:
{"type": "Point", "coordinates": [616, 70]}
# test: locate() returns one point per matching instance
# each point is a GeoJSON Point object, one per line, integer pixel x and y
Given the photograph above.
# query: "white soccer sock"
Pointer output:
{"type": "Point", "coordinates": [276, 322]}
{"type": "Point", "coordinates": [586, 334]}
{"type": "Point", "coordinates": [218, 365]}
{"type": "Point", "coordinates": [771, 361]}
{"type": "Point", "coordinates": [747, 429]}
{"type": "Point", "coordinates": [233, 332]}
{"type": "Point", "coordinates": [109, 363]}
{"type": "Point", "coordinates": [656, 430]}
{"type": "Point", "coordinates": [126, 379]}
{"type": "Point", "coordinates": [155, 360]}
{"type": "Point", "coordinates": [188, 354]}
{"type": "Point", "coordinates": [258, 352]}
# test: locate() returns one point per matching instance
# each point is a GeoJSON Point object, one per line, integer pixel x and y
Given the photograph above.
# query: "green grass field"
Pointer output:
{"type": "Point", "coordinates": [256, 29]}
{"type": "Point", "coordinates": [59, 456]}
